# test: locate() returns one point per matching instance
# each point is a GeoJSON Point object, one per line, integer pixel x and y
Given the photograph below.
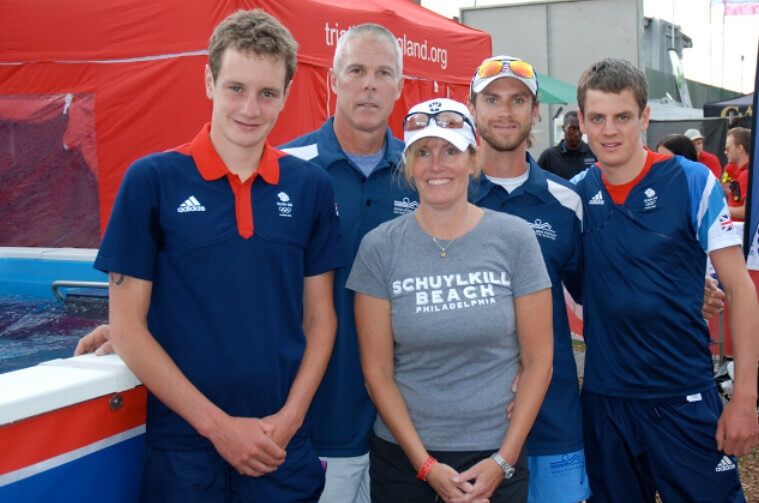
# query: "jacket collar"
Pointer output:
{"type": "Point", "coordinates": [212, 167]}
{"type": "Point", "coordinates": [331, 152]}
{"type": "Point", "coordinates": [536, 185]}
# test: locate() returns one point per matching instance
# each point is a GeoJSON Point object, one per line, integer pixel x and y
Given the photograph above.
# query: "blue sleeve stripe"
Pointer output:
{"type": "Point", "coordinates": [567, 198]}
{"type": "Point", "coordinates": [700, 185]}
{"type": "Point", "coordinates": [579, 176]}
{"type": "Point", "coordinates": [710, 191]}
{"type": "Point", "coordinates": [306, 152]}
{"type": "Point", "coordinates": [715, 220]}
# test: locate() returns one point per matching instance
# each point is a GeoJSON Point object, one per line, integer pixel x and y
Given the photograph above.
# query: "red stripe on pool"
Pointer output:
{"type": "Point", "coordinates": [48, 435]}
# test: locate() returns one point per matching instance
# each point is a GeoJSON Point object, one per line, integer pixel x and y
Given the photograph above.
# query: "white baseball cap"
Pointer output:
{"type": "Point", "coordinates": [460, 137]}
{"type": "Point", "coordinates": [500, 67]}
{"type": "Point", "coordinates": [694, 134]}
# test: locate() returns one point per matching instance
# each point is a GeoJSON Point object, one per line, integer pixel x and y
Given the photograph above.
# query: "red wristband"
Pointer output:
{"type": "Point", "coordinates": [424, 470]}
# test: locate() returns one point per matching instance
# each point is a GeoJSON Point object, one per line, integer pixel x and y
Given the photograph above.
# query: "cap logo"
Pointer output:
{"type": "Point", "coordinates": [435, 106]}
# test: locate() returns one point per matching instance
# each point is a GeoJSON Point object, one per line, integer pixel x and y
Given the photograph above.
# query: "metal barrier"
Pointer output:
{"type": "Point", "coordinates": [57, 285]}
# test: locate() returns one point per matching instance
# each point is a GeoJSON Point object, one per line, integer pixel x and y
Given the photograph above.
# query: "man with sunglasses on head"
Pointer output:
{"type": "Point", "coordinates": [504, 103]}
{"type": "Point", "coordinates": [503, 100]}
{"type": "Point", "coordinates": [654, 421]}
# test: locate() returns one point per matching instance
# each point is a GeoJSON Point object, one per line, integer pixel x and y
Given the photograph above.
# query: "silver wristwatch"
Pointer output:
{"type": "Point", "coordinates": [508, 470]}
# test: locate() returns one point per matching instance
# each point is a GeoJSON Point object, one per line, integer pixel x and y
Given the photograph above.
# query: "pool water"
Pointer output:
{"type": "Point", "coordinates": [36, 330]}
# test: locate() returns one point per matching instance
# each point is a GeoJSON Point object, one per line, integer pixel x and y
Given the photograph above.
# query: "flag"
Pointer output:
{"type": "Point", "coordinates": [751, 231]}
{"type": "Point", "coordinates": [738, 7]}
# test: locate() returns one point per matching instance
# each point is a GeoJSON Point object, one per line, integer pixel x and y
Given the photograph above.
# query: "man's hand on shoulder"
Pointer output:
{"type": "Point", "coordinates": [714, 299]}
{"type": "Point", "coordinates": [98, 341]}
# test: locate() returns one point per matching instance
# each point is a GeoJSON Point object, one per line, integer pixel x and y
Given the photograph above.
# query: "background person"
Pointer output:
{"type": "Point", "coordinates": [219, 256]}
{"type": "Point", "coordinates": [571, 155]}
{"type": "Point", "coordinates": [449, 301]}
{"type": "Point", "coordinates": [677, 144]}
{"type": "Point", "coordinates": [708, 159]}
{"type": "Point", "coordinates": [738, 153]}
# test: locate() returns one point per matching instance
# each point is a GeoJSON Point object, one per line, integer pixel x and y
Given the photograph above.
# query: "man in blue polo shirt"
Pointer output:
{"type": "Point", "coordinates": [504, 102]}
{"type": "Point", "coordinates": [359, 152]}
{"type": "Point", "coordinates": [653, 418]}
{"type": "Point", "coordinates": [220, 256]}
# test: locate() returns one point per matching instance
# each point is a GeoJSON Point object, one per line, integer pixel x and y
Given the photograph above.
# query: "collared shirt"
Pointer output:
{"type": "Point", "coordinates": [553, 209]}
{"type": "Point", "coordinates": [645, 261]}
{"type": "Point", "coordinates": [212, 167]}
{"type": "Point", "coordinates": [711, 161]}
{"type": "Point", "coordinates": [738, 174]}
{"type": "Point", "coordinates": [226, 308]}
{"type": "Point", "coordinates": [565, 162]}
{"type": "Point", "coordinates": [342, 415]}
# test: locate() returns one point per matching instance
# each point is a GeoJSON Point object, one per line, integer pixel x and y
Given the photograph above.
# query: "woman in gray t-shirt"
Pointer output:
{"type": "Point", "coordinates": [450, 299]}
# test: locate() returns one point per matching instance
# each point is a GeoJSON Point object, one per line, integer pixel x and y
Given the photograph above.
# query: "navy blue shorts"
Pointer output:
{"type": "Point", "coordinates": [201, 475]}
{"type": "Point", "coordinates": [635, 447]}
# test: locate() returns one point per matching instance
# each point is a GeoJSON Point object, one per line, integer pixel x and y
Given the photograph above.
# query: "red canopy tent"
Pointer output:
{"type": "Point", "coordinates": [115, 80]}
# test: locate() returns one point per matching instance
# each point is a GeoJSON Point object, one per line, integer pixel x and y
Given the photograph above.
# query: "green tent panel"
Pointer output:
{"type": "Point", "coordinates": [555, 92]}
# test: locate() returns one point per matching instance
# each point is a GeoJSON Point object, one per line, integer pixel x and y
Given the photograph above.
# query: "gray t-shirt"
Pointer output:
{"type": "Point", "coordinates": [367, 163]}
{"type": "Point", "coordinates": [455, 345]}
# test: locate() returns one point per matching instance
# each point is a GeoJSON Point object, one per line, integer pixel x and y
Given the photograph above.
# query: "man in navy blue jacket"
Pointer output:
{"type": "Point", "coordinates": [359, 153]}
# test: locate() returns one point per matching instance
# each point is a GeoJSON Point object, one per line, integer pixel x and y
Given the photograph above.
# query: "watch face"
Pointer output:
{"type": "Point", "coordinates": [508, 473]}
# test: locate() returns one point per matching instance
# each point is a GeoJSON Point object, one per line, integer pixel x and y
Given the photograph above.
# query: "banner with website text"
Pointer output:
{"type": "Point", "coordinates": [140, 66]}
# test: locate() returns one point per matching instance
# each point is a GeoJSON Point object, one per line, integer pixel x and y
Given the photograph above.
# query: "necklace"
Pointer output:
{"type": "Point", "coordinates": [444, 247]}
{"type": "Point", "coordinates": [447, 244]}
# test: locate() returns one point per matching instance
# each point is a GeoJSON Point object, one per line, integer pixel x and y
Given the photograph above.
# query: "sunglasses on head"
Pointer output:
{"type": "Point", "coordinates": [493, 67]}
{"type": "Point", "coordinates": [447, 119]}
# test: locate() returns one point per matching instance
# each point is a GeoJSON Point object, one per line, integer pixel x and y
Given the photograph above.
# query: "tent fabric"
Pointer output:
{"type": "Point", "coordinates": [37, 160]}
{"type": "Point", "coordinates": [84, 30]}
{"type": "Point", "coordinates": [142, 63]}
{"type": "Point", "coordinates": [555, 92]}
{"type": "Point", "coordinates": [742, 105]}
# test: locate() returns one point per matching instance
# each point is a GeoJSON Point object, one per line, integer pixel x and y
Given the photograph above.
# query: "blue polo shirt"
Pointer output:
{"type": "Point", "coordinates": [645, 261]}
{"type": "Point", "coordinates": [342, 415]}
{"type": "Point", "coordinates": [227, 260]}
{"type": "Point", "coordinates": [553, 209]}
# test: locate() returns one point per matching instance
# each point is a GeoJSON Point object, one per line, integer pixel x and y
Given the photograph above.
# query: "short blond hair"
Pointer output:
{"type": "Point", "coordinates": [741, 136]}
